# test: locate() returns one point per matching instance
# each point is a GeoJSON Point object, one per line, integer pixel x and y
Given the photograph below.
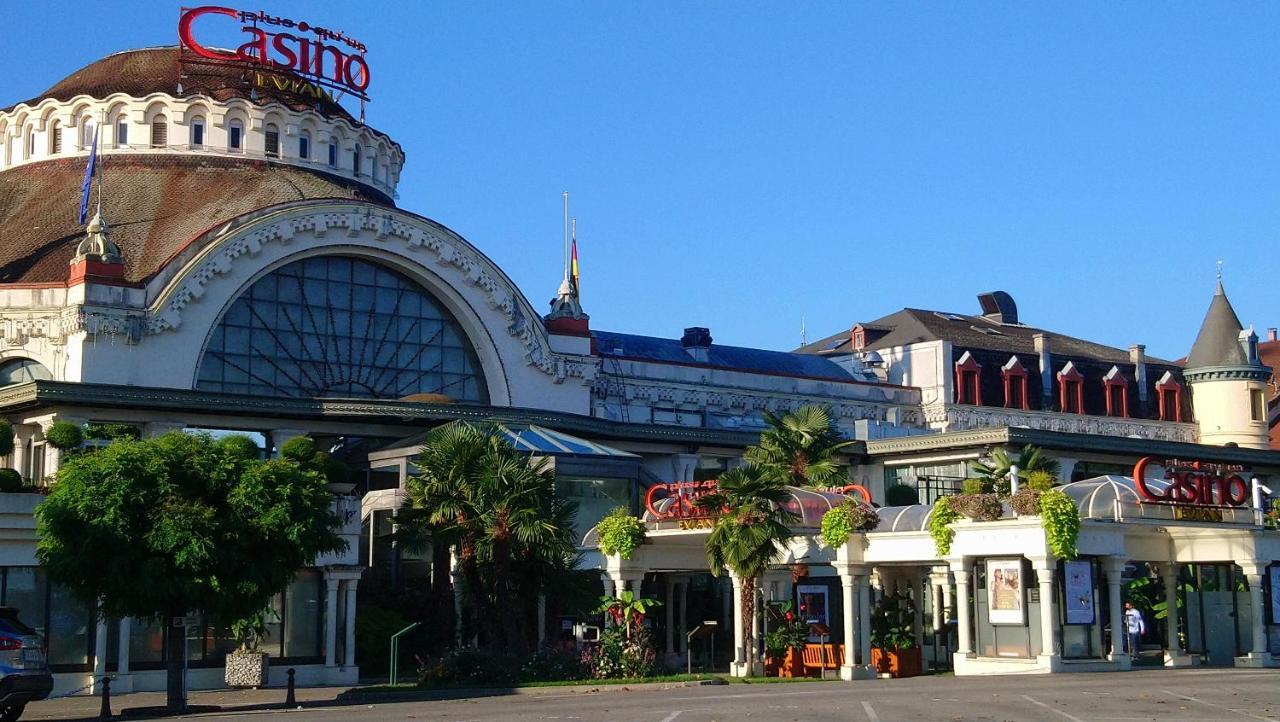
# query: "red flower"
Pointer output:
{"type": "Point", "coordinates": [791, 617]}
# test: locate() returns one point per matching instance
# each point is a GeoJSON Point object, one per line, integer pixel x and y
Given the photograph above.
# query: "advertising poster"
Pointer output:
{"type": "Point", "coordinates": [1004, 591]}
{"type": "Point", "coordinates": [812, 604]}
{"type": "Point", "coordinates": [1078, 592]}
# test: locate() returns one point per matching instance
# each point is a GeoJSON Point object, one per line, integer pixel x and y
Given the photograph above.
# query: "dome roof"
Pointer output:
{"type": "Point", "coordinates": [138, 73]}
{"type": "Point", "coordinates": [154, 204]}
{"type": "Point", "coordinates": [1116, 497]}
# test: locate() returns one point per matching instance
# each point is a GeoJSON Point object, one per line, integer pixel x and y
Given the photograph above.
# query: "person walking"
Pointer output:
{"type": "Point", "coordinates": [1134, 628]}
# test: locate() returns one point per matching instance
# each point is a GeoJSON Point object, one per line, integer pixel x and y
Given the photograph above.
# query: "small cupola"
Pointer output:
{"type": "Point", "coordinates": [697, 343]}
{"type": "Point", "coordinates": [97, 258]}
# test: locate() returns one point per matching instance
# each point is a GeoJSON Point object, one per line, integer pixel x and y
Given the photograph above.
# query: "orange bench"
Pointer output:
{"type": "Point", "coordinates": [823, 656]}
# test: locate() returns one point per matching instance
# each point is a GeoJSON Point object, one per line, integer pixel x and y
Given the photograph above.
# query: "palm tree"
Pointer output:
{"type": "Point", "coordinates": [800, 447]}
{"type": "Point", "coordinates": [749, 532]}
{"type": "Point", "coordinates": [994, 470]}
{"type": "Point", "coordinates": [627, 609]}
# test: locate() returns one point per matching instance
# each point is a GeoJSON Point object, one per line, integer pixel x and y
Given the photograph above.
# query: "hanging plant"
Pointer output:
{"type": "Point", "coordinates": [1025, 502]}
{"type": "Point", "coordinates": [839, 523]}
{"type": "Point", "coordinates": [940, 525]}
{"type": "Point", "coordinates": [1061, 521]}
{"type": "Point", "coordinates": [620, 533]}
{"type": "Point", "coordinates": [978, 507]}
{"type": "Point", "coordinates": [64, 436]}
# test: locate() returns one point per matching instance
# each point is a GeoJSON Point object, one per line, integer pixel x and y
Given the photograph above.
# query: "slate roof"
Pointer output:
{"type": "Point", "coordinates": [1218, 343]}
{"type": "Point", "coordinates": [733, 358]}
{"type": "Point", "coordinates": [138, 73]}
{"type": "Point", "coordinates": [154, 205]}
{"type": "Point", "coordinates": [914, 325]}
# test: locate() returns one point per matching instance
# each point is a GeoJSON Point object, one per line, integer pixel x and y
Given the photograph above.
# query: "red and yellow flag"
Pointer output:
{"type": "Point", "coordinates": [573, 267]}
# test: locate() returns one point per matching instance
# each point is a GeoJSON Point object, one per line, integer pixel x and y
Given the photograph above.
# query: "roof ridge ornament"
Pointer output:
{"type": "Point", "coordinates": [97, 244]}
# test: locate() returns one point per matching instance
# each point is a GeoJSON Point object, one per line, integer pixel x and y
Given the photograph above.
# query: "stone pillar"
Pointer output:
{"type": "Point", "coordinates": [917, 601]}
{"type": "Point", "coordinates": [1260, 654]}
{"type": "Point", "coordinates": [100, 649]}
{"type": "Point", "coordinates": [1114, 568]}
{"type": "Point", "coordinates": [740, 667]}
{"type": "Point", "coordinates": [848, 588]}
{"type": "Point", "coordinates": [1173, 654]}
{"type": "Point", "coordinates": [684, 616]}
{"type": "Point", "coordinates": [669, 615]}
{"type": "Point", "coordinates": [864, 620]}
{"type": "Point", "coordinates": [330, 621]}
{"type": "Point", "coordinates": [608, 585]}
{"type": "Point", "coordinates": [964, 625]}
{"type": "Point", "coordinates": [21, 437]}
{"type": "Point", "coordinates": [349, 625]}
{"type": "Point", "coordinates": [122, 646]}
{"type": "Point", "coordinates": [1048, 620]}
{"type": "Point", "coordinates": [937, 580]}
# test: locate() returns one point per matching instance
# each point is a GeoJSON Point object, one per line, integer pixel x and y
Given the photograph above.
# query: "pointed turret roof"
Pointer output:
{"type": "Point", "coordinates": [1218, 343]}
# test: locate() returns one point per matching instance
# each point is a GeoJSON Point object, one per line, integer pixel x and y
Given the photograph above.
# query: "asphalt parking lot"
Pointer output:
{"type": "Point", "coordinates": [1164, 695]}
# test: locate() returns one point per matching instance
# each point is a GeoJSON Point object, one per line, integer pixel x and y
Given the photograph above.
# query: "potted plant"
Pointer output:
{"type": "Point", "coordinates": [247, 666]}
{"type": "Point", "coordinates": [893, 642]}
{"type": "Point", "coordinates": [784, 642]}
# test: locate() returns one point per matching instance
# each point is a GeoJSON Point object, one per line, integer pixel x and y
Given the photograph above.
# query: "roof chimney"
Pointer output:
{"type": "Point", "coordinates": [998, 306]}
{"type": "Point", "coordinates": [1041, 343]}
{"type": "Point", "coordinates": [1271, 334]}
{"type": "Point", "coordinates": [697, 343]}
{"type": "Point", "coordinates": [1138, 357]}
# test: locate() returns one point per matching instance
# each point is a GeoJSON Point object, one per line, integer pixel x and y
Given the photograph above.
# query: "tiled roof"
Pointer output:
{"type": "Point", "coordinates": [153, 204]}
{"type": "Point", "coordinates": [735, 358]}
{"type": "Point", "coordinates": [138, 73]}
{"type": "Point", "coordinates": [1218, 343]}
{"type": "Point", "coordinates": [912, 325]}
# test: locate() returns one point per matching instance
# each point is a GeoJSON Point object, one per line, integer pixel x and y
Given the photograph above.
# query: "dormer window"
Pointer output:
{"type": "Point", "coordinates": [1116, 389]}
{"type": "Point", "coordinates": [31, 143]}
{"type": "Point", "coordinates": [122, 132]}
{"type": "Point", "coordinates": [235, 136]}
{"type": "Point", "coordinates": [333, 154]}
{"type": "Point", "coordinates": [273, 140]}
{"type": "Point", "coordinates": [160, 132]}
{"type": "Point", "coordinates": [304, 145]}
{"type": "Point", "coordinates": [1169, 396]}
{"type": "Point", "coordinates": [859, 339]}
{"type": "Point", "coordinates": [197, 133]}
{"type": "Point", "coordinates": [1015, 384]}
{"type": "Point", "coordinates": [1257, 405]}
{"type": "Point", "coordinates": [89, 130]}
{"type": "Point", "coordinates": [968, 375]}
{"type": "Point", "coordinates": [55, 138]}
{"type": "Point", "coordinates": [355, 161]}
{"type": "Point", "coordinates": [1071, 389]}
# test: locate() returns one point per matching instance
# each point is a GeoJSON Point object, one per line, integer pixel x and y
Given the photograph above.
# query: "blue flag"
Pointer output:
{"type": "Point", "coordinates": [88, 177]}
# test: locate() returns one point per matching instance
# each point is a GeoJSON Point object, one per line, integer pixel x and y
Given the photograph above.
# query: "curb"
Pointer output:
{"type": "Point", "coordinates": [355, 696]}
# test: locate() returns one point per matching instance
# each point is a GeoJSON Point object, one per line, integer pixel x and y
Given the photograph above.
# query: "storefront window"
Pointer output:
{"type": "Point", "coordinates": [304, 615]}
{"type": "Point", "coordinates": [70, 629]}
{"type": "Point", "coordinates": [595, 499]}
{"type": "Point", "coordinates": [25, 591]}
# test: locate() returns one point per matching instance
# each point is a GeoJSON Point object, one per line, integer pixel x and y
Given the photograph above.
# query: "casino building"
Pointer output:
{"type": "Point", "coordinates": [249, 271]}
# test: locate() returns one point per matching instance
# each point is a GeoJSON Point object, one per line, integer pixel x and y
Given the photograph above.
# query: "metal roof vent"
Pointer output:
{"type": "Point", "coordinates": [697, 342]}
{"type": "Point", "coordinates": [998, 306]}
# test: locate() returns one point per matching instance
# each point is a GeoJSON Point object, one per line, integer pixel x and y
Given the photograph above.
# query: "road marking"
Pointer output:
{"type": "Point", "coordinates": [1071, 717]}
{"type": "Point", "coordinates": [1242, 713]}
{"type": "Point", "coordinates": [871, 714]}
{"type": "Point", "coordinates": [672, 716]}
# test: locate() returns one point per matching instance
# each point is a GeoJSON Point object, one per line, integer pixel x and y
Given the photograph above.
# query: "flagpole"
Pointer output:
{"type": "Point", "coordinates": [566, 234]}
{"type": "Point", "coordinates": [99, 170]}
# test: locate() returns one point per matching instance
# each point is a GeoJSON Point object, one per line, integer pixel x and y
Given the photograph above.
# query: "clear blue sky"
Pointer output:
{"type": "Point", "coordinates": [741, 165]}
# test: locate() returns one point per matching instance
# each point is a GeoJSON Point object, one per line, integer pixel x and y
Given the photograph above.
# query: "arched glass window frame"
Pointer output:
{"type": "Point", "coordinates": [199, 132]}
{"type": "Point", "coordinates": [340, 326]}
{"type": "Point", "coordinates": [271, 144]}
{"type": "Point", "coordinates": [88, 126]}
{"type": "Point", "coordinates": [27, 368]}
{"type": "Point", "coordinates": [235, 136]}
{"type": "Point", "coordinates": [159, 131]}
{"type": "Point", "coordinates": [55, 137]}
{"type": "Point", "coordinates": [304, 145]}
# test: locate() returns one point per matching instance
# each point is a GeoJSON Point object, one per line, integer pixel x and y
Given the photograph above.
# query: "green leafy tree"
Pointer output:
{"type": "Point", "coordinates": [178, 525]}
{"type": "Point", "coordinates": [498, 509]}
{"type": "Point", "coordinates": [749, 532]}
{"type": "Point", "coordinates": [800, 447]}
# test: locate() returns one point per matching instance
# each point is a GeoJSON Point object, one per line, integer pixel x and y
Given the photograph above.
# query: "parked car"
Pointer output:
{"type": "Point", "coordinates": [24, 669]}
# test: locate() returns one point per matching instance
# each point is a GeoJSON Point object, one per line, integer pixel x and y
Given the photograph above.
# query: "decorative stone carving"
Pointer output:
{"type": "Point", "coordinates": [948, 417]}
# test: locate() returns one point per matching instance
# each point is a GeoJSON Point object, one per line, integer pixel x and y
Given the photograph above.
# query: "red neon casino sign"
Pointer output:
{"type": "Point", "coordinates": [1194, 483]}
{"type": "Point", "coordinates": [327, 57]}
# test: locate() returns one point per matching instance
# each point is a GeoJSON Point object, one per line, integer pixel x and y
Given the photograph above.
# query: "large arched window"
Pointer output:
{"type": "Point", "coordinates": [339, 327]}
{"type": "Point", "coordinates": [22, 370]}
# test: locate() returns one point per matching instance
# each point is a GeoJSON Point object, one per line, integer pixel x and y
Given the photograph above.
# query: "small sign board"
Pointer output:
{"type": "Point", "coordinates": [186, 621]}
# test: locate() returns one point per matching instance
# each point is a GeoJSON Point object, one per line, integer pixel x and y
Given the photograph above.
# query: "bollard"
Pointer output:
{"type": "Point", "coordinates": [105, 712]}
{"type": "Point", "coordinates": [289, 699]}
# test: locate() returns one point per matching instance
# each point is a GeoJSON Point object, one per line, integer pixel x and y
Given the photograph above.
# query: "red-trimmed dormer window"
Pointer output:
{"type": "Point", "coordinates": [968, 389]}
{"type": "Point", "coordinates": [1169, 393]}
{"type": "Point", "coordinates": [859, 339]}
{"type": "Point", "coordinates": [1015, 384]}
{"type": "Point", "coordinates": [1116, 389]}
{"type": "Point", "coordinates": [1071, 389]}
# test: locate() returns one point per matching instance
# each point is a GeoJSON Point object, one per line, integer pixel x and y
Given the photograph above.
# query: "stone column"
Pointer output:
{"type": "Point", "coordinates": [21, 437]}
{"type": "Point", "coordinates": [1260, 654]}
{"type": "Point", "coordinates": [1048, 620]}
{"type": "Point", "coordinates": [669, 615]}
{"type": "Point", "coordinates": [349, 625]}
{"type": "Point", "coordinates": [937, 581]}
{"type": "Point", "coordinates": [100, 649]}
{"type": "Point", "coordinates": [848, 588]}
{"type": "Point", "coordinates": [739, 627]}
{"type": "Point", "coordinates": [330, 621]}
{"type": "Point", "coordinates": [964, 626]}
{"type": "Point", "coordinates": [1173, 655]}
{"type": "Point", "coordinates": [864, 620]}
{"type": "Point", "coordinates": [122, 646]}
{"type": "Point", "coordinates": [608, 585]}
{"type": "Point", "coordinates": [684, 616]}
{"type": "Point", "coordinates": [1114, 568]}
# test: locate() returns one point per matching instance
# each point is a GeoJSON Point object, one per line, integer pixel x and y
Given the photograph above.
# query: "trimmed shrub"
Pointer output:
{"type": "Point", "coordinates": [64, 436]}
{"type": "Point", "coordinates": [10, 481]}
{"type": "Point", "coordinates": [978, 507]}
{"type": "Point", "coordinates": [6, 438]}
{"type": "Point", "coordinates": [850, 517]}
{"type": "Point", "coordinates": [1041, 480]}
{"type": "Point", "coordinates": [1026, 502]}
{"type": "Point", "coordinates": [973, 487]}
{"type": "Point", "coordinates": [240, 446]}
{"type": "Point", "coordinates": [901, 495]}
{"type": "Point", "coordinates": [299, 449]}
